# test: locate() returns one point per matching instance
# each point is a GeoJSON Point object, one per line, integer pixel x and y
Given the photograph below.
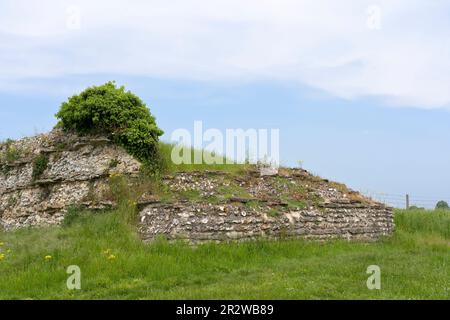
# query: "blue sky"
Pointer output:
{"type": "Point", "coordinates": [359, 90]}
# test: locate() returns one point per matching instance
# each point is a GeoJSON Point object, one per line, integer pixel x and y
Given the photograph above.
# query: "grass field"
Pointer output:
{"type": "Point", "coordinates": [115, 264]}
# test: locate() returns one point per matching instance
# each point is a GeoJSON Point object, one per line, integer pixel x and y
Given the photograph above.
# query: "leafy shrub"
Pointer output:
{"type": "Point", "coordinates": [39, 166]}
{"type": "Point", "coordinates": [110, 110]}
{"type": "Point", "coordinates": [442, 205]}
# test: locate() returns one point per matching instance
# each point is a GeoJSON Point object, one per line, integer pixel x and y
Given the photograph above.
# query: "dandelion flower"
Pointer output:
{"type": "Point", "coordinates": [48, 258]}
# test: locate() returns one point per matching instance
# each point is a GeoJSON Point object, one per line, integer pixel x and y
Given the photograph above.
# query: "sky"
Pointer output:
{"type": "Point", "coordinates": [359, 89]}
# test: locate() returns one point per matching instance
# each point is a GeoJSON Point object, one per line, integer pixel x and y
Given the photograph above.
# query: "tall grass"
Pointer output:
{"type": "Point", "coordinates": [433, 222]}
{"type": "Point", "coordinates": [116, 264]}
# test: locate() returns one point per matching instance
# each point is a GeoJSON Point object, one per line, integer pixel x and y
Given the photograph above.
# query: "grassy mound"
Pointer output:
{"type": "Point", "coordinates": [165, 150]}
{"type": "Point", "coordinates": [115, 264]}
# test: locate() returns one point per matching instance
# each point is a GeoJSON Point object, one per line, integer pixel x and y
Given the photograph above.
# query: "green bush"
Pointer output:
{"type": "Point", "coordinates": [39, 166]}
{"type": "Point", "coordinates": [110, 110]}
{"type": "Point", "coordinates": [442, 205]}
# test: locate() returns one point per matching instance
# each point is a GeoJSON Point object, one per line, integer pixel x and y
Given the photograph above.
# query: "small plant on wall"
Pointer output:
{"type": "Point", "coordinates": [39, 166]}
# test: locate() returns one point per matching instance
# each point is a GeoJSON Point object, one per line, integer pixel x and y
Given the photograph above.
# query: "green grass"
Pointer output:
{"type": "Point", "coordinates": [435, 222]}
{"type": "Point", "coordinates": [233, 191]}
{"type": "Point", "coordinates": [169, 167]}
{"type": "Point", "coordinates": [414, 263]}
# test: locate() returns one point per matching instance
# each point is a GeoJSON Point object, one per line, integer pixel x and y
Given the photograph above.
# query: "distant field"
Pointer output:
{"type": "Point", "coordinates": [115, 264]}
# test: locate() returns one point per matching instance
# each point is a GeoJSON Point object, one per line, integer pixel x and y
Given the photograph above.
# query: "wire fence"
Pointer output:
{"type": "Point", "coordinates": [404, 200]}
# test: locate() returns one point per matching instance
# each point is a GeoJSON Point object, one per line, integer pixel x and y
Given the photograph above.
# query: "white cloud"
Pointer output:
{"type": "Point", "coordinates": [326, 44]}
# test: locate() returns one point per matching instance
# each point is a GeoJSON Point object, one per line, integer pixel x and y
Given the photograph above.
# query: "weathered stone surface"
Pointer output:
{"type": "Point", "coordinates": [200, 222]}
{"type": "Point", "coordinates": [76, 174]}
{"type": "Point", "coordinates": [199, 206]}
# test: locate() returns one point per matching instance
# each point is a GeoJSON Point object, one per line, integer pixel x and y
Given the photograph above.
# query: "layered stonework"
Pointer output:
{"type": "Point", "coordinates": [77, 172]}
{"type": "Point", "coordinates": [292, 203]}
{"type": "Point", "coordinates": [194, 206]}
{"type": "Point", "coordinates": [200, 222]}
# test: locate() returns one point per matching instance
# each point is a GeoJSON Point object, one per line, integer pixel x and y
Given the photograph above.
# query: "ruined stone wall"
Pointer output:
{"type": "Point", "coordinates": [233, 221]}
{"type": "Point", "coordinates": [76, 174]}
{"type": "Point", "coordinates": [292, 203]}
{"type": "Point", "coordinates": [197, 206]}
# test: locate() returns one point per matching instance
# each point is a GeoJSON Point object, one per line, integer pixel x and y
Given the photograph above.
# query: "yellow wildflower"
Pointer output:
{"type": "Point", "coordinates": [48, 258]}
{"type": "Point", "coordinates": [114, 175]}
{"type": "Point", "coordinates": [111, 257]}
{"type": "Point", "coordinates": [2, 256]}
{"type": "Point", "coordinates": [132, 203]}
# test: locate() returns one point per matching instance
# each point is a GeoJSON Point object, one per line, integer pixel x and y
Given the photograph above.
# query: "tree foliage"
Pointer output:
{"type": "Point", "coordinates": [120, 114]}
{"type": "Point", "coordinates": [442, 205]}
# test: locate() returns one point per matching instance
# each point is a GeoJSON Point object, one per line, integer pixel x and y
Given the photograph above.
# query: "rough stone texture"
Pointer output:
{"type": "Point", "coordinates": [236, 221]}
{"type": "Point", "coordinates": [251, 205]}
{"type": "Point", "coordinates": [197, 206]}
{"type": "Point", "coordinates": [77, 173]}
